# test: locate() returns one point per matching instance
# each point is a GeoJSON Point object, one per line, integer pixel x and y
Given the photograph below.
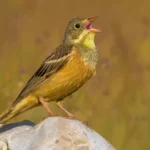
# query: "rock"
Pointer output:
{"type": "Point", "coordinates": [3, 145]}
{"type": "Point", "coordinates": [54, 133]}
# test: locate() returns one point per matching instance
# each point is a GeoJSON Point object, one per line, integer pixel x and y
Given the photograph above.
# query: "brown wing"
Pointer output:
{"type": "Point", "coordinates": [50, 66]}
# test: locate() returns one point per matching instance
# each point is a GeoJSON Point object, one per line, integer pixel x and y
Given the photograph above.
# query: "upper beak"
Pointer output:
{"type": "Point", "coordinates": [92, 18]}
{"type": "Point", "coordinates": [93, 29]}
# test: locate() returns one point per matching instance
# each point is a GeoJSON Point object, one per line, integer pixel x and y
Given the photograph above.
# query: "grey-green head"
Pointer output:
{"type": "Point", "coordinates": [80, 31]}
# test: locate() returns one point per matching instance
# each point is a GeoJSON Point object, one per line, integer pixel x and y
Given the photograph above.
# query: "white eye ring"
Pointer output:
{"type": "Point", "coordinates": [77, 26]}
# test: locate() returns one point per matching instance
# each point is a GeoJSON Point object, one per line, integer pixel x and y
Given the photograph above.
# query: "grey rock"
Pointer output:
{"type": "Point", "coordinates": [54, 133]}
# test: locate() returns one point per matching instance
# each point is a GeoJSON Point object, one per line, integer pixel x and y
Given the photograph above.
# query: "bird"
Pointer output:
{"type": "Point", "coordinates": [62, 73]}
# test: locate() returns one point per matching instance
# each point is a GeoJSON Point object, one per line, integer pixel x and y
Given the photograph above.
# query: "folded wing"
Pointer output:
{"type": "Point", "coordinates": [49, 67]}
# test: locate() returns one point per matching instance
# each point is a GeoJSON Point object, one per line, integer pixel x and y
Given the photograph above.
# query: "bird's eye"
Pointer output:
{"type": "Point", "coordinates": [77, 26]}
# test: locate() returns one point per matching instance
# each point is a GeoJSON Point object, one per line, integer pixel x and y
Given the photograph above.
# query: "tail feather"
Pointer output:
{"type": "Point", "coordinates": [15, 109]}
{"type": "Point", "coordinates": [6, 116]}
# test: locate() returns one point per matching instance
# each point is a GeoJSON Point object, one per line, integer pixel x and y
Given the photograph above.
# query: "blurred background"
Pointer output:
{"type": "Point", "coordinates": [115, 102]}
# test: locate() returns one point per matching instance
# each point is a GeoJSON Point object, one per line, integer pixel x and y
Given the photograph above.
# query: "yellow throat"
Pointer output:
{"type": "Point", "coordinates": [86, 39]}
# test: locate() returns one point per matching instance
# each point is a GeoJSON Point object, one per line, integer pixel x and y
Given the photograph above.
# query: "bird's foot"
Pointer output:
{"type": "Point", "coordinates": [74, 118]}
{"type": "Point", "coordinates": [49, 116]}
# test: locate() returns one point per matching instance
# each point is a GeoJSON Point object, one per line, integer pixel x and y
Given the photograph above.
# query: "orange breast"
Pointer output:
{"type": "Point", "coordinates": [66, 80]}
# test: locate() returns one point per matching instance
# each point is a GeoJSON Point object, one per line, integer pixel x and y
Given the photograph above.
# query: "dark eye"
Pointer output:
{"type": "Point", "coordinates": [77, 25]}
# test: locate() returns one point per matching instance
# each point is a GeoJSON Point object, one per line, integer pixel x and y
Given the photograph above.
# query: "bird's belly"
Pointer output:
{"type": "Point", "coordinates": [66, 81]}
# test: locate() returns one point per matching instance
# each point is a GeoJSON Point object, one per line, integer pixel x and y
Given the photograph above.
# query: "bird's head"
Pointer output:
{"type": "Point", "coordinates": [80, 31]}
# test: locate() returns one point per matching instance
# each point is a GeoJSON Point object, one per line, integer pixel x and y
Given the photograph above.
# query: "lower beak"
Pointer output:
{"type": "Point", "coordinates": [93, 29]}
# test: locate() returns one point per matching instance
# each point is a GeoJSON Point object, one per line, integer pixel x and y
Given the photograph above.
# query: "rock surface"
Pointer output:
{"type": "Point", "coordinates": [54, 133]}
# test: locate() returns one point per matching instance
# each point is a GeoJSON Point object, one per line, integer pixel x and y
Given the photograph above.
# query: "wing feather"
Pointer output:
{"type": "Point", "coordinates": [49, 67]}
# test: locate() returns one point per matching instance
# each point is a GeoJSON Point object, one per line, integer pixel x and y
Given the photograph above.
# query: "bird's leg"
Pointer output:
{"type": "Point", "coordinates": [58, 103]}
{"type": "Point", "coordinates": [41, 99]}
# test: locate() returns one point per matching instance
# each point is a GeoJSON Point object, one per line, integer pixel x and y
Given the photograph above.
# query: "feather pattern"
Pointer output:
{"type": "Point", "coordinates": [50, 66]}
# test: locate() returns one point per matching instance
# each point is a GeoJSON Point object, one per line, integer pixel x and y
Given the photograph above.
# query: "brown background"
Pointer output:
{"type": "Point", "coordinates": [115, 102]}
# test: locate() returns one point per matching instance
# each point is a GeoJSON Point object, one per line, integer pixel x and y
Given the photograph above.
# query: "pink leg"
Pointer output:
{"type": "Point", "coordinates": [63, 109]}
{"type": "Point", "coordinates": [68, 113]}
{"type": "Point", "coordinates": [46, 106]}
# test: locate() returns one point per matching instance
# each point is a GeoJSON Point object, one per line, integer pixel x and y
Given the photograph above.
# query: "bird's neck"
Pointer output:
{"type": "Point", "coordinates": [89, 55]}
{"type": "Point", "coordinates": [88, 41]}
{"type": "Point", "coordinates": [86, 48]}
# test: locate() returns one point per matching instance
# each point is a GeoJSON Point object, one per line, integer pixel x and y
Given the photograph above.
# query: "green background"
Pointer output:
{"type": "Point", "coordinates": [116, 101]}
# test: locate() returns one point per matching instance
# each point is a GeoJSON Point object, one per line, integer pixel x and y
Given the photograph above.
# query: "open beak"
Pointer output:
{"type": "Point", "coordinates": [89, 27]}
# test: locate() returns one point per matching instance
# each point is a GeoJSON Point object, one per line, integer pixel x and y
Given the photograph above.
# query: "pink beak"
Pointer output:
{"type": "Point", "coordinates": [89, 27]}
